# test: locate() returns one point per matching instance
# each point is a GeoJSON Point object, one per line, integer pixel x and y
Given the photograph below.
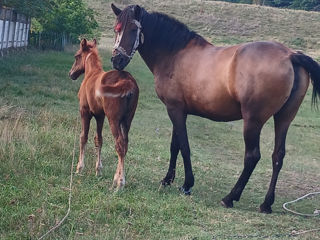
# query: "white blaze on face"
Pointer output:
{"type": "Point", "coordinates": [119, 31]}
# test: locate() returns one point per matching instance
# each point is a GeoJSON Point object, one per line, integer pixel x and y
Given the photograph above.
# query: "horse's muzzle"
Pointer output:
{"type": "Point", "coordinates": [119, 62]}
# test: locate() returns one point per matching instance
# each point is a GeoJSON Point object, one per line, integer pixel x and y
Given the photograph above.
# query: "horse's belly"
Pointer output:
{"type": "Point", "coordinates": [217, 108]}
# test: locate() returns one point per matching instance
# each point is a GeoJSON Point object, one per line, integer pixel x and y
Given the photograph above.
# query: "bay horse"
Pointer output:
{"type": "Point", "coordinates": [250, 81]}
{"type": "Point", "coordinates": [113, 94]}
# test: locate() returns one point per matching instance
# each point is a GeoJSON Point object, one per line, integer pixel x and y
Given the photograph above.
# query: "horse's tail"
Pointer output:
{"type": "Point", "coordinates": [122, 88]}
{"type": "Point", "coordinates": [313, 68]}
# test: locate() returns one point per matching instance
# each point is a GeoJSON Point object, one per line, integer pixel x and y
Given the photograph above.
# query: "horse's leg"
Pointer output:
{"type": "Point", "coordinates": [282, 121]}
{"type": "Point", "coordinates": [120, 135]}
{"type": "Point", "coordinates": [174, 150]}
{"type": "Point", "coordinates": [281, 129]}
{"type": "Point", "coordinates": [252, 130]}
{"type": "Point", "coordinates": [178, 119]}
{"type": "Point", "coordinates": [85, 124]}
{"type": "Point", "coordinates": [98, 142]}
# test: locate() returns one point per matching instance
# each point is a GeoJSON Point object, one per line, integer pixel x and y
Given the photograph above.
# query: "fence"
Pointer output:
{"type": "Point", "coordinates": [14, 29]}
{"type": "Point", "coordinates": [50, 40]}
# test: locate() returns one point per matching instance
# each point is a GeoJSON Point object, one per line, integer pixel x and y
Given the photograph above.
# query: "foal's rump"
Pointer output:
{"type": "Point", "coordinates": [117, 84]}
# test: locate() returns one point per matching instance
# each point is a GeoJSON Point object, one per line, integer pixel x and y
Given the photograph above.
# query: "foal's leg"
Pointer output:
{"type": "Point", "coordinates": [252, 130]}
{"type": "Point", "coordinates": [85, 124]}
{"type": "Point", "coordinates": [98, 142]}
{"type": "Point", "coordinates": [174, 150]}
{"type": "Point", "coordinates": [120, 134]}
{"type": "Point", "coordinates": [178, 119]}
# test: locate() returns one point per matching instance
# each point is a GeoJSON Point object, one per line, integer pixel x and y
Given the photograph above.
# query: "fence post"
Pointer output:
{"type": "Point", "coordinates": [8, 31]}
{"type": "Point", "coordinates": [3, 29]}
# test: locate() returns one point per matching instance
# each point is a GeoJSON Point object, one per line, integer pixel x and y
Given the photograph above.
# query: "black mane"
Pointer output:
{"type": "Point", "coordinates": [166, 33]}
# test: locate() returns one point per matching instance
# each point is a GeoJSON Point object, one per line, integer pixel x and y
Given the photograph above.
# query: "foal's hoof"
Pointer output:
{"type": "Point", "coordinates": [265, 209]}
{"type": "Point", "coordinates": [227, 204]}
{"type": "Point", "coordinates": [184, 191]}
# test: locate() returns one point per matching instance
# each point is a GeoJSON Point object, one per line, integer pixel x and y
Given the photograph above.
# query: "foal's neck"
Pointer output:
{"type": "Point", "coordinates": [92, 64]}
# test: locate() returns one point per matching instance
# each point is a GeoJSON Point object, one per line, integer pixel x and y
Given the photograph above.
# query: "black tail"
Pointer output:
{"type": "Point", "coordinates": [313, 68]}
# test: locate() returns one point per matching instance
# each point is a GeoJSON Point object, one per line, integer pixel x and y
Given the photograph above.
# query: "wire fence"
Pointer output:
{"type": "Point", "coordinates": [50, 40]}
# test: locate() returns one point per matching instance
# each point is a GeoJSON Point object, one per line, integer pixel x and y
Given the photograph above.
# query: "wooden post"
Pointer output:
{"type": "Point", "coordinates": [14, 20]}
{"type": "Point", "coordinates": [8, 31]}
{"type": "Point", "coordinates": [3, 28]}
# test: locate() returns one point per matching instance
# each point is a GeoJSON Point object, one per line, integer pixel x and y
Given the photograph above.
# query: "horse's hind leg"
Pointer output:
{"type": "Point", "coordinates": [282, 121]}
{"type": "Point", "coordinates": [85, 124]}
{"type": "Point", "coordinates": [281, 128]}
{"type": "Point", "coordinates": [98, 142]}
{"type": "Point", "coordinates": [252, 130]}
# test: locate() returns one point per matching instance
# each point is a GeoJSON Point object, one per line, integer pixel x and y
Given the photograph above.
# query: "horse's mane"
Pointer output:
{"type": "Point", "coordinates": [166, 32]}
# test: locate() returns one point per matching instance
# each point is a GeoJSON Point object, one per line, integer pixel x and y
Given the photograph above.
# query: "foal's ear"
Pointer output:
{"type": "Point", "coordinates": [83, 43]}
{"type": "Point", "coordinates": [116, 10]}
{"type": "Point", "coordinates": [137, 12]}
{"type": "Point", "coordinates": [94, 42]}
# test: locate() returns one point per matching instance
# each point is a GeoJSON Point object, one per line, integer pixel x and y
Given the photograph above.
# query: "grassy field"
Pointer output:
{"type": "Point", "coordinates": [38, 123]}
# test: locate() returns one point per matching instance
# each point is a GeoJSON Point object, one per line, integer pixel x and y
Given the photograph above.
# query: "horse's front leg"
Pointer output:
{"type": "Point", "coordinates": [98, 142]}
{"type": "Point", "coordinates": [85, 125]}
{"type": "Point", "coordinates": [174, 150]}
{"type": "Point", "coordinates": [178, 119]}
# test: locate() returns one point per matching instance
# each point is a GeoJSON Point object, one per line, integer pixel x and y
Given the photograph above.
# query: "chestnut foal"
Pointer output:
{"type": "Point", "coordinates": [113, 94]}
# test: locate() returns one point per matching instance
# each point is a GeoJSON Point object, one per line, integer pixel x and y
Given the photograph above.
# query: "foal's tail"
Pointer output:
{"type": "Point", "coordinates": [313, 68]}
{"type": "Point", "coordinates": [122, 88]}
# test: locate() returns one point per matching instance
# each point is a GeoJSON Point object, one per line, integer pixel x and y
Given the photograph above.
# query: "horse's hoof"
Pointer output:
{"type": "Point", "coordinates": [265, 209]}
{"type": "Point", "coordinates": [226, 204]}
{"type": "Point", "coordinates": [166, 182]}
{"type": "Point", "coordinates": [184, 191]}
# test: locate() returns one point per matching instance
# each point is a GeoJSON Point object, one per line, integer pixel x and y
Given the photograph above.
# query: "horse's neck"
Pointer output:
{"type": "Point", "coordinates": [92, 65]}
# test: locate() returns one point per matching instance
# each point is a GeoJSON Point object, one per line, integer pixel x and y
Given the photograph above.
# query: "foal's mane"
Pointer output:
{"type": "Point", "coordinates": [163, 31]}
{"type": "Point", "coordinates": [94, 55]}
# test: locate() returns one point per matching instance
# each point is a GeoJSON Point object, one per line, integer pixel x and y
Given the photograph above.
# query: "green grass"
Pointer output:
{"type": "Point", "coordinates": [38, 123]}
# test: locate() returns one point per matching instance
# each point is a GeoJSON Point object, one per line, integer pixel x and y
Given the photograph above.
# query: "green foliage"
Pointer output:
{"type": "Point", "coordinates": [70, 17]}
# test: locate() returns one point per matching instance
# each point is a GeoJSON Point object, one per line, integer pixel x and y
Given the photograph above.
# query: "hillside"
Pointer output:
{"type": "Point", "coordinates": [225, 23]}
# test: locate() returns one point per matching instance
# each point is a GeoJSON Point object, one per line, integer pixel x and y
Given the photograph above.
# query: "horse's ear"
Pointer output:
{"type": "Point", "coordinates": [116, 10]}
{"type": "Point", "coordinates": [83, 43]}
{"type": "Point", "coordinates": [137, 12]}
{"type": "Point", "coordinates": [94, 42]}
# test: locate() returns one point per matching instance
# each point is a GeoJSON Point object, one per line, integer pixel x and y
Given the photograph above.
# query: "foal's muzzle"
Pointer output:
{"type": "Point", "coordinates": [120, 61]}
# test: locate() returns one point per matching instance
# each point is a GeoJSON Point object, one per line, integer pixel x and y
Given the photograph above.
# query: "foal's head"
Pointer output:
{"type": "Point", "coordinates": [82, 55]}
{"type": "Point", "coordinates": [128, 35]}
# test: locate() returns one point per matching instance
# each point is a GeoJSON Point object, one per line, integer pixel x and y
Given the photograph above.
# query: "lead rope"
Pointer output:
{"type": "Point", "coordinates": [70, 190]}
{"type": "Point", "coordinates": [315, 213]}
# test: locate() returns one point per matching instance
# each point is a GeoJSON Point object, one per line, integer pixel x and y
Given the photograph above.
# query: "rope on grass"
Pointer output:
{"type": "Point", "coordinates": [70, 191]}
{"type": "Point", "coordinates": [315, 213]}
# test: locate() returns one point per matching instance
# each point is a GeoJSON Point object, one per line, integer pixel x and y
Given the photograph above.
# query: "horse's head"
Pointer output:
{"type": "Point", "coordinates": [81, 56]}
{"type": "Point", "coordinates": [128, 35]}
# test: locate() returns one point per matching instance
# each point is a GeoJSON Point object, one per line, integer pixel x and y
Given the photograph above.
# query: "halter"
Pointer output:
{"type": "Point", "coordinates": [121, 50]}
